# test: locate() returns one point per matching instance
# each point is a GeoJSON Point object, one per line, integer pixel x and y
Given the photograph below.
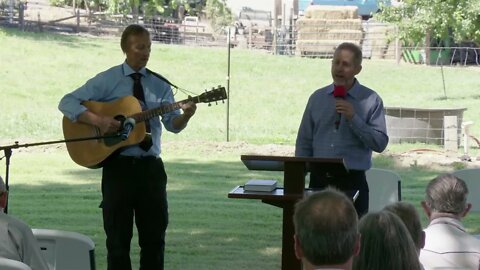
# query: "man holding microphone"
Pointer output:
{"type": "Point", "coordinates": [343, 120]}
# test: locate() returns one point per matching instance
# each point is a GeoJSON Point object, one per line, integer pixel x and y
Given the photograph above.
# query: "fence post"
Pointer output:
{"type": "Point", "coordinates": [39, 23]}
{"type": "Point", "coordinates": [78, 20]}
{"type": "Point", "coordinates": [274, 41]}
{"type": "Point", "coordinates": [398, 49]}
{"type": "Point", "coordinates": [250, 37]}
{"type": "Point", "coordinates": [450, 131]}
{"type": "Point", "coordinates": [10, 12]}
{"type": "Point", "coordinates": [21, 21]}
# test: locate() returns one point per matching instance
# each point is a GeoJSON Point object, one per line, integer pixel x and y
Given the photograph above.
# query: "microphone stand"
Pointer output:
{"type": "Point", "coordinates": [8, 153]}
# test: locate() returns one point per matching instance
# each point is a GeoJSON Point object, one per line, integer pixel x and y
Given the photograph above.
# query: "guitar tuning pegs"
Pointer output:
{"type": "Point", "coordinates": [209, 104]}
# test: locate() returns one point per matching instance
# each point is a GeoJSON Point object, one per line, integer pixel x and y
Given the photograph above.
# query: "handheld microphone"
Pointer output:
{"type": "Point", "coordinates": [339, 91]}
{"type": "Point", "coordinates": [128, 125]}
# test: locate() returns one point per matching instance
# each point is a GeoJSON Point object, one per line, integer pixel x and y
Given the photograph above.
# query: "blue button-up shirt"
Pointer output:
{"type": "Point", "coordinates": [115, 83]}
{"type": "Point", "coordinates": [355, 139]}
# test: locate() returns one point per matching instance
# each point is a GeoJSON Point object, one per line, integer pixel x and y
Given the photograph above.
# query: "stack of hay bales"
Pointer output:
{"type": "Point", "coordinates": [378, 42]}
{"type": "Point", "coordinates": [323, 28]}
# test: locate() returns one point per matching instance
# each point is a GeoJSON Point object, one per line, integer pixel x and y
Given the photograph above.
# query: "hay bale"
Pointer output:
{"type": "Point", "coordinates": [324, 48]}
{"type": "Point", "coordinates": [333, 34]}
{"type": "Point", "coordinates": [350, 24]}
{"type": "Point", "coordinates": [377, 41]}
{"type": "Point", "coordinates": [331, 12]}
{"type": "Point", "coordinates": [305, 22]}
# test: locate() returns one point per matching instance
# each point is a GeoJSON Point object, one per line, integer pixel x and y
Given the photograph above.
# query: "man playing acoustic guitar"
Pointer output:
{"type": "Point", "coordinates": [134, 180]}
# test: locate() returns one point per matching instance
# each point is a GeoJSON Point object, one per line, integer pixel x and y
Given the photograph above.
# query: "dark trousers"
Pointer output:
{"type": "Point", "coordinates": [349, 183]}
{"type": "Point", "coordinates": [134, 188]}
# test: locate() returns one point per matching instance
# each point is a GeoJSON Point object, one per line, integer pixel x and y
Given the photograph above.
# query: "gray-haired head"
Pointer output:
{"type": "Point", "coordinates": [446, 194]}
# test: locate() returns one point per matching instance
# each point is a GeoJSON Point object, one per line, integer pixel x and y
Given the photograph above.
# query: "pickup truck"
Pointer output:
{"type": "Point", "coordinates": [191, 24]}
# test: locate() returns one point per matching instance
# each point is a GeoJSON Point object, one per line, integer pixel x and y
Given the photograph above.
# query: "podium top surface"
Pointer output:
{"type": "Point", "coordinates": [277, 163]}
{"type": "Point", "coordinates": [276, 195]}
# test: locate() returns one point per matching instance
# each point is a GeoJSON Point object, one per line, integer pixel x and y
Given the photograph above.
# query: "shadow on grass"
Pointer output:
{"type": "Point", "coordinates": [71, 41]}
{"type": "Point", "coordinates": [205, 225]}
{"type": "Point", "coordinates": [457, 97]}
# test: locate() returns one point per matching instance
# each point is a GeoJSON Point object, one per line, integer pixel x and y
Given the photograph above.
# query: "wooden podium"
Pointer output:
{"type": "Point", "coordinates": [294, 170]}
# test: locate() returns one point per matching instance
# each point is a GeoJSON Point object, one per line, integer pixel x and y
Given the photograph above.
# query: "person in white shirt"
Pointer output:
{"type": "Point", "coordinates": [326, 231]}
{"type": "Point", "coordinates": [447, 243]}
{"type": "Point", "coordinates": [17, 241]}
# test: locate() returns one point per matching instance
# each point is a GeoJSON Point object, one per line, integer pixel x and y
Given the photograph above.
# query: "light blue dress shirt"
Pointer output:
{"type": "Point", "coordinates": [354, 140]}
{"type": "Point", "coordinates": [115, 83]}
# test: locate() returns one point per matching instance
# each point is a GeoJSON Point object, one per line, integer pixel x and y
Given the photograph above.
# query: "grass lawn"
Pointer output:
{"type": "Point", "coordinates": [267, 98]}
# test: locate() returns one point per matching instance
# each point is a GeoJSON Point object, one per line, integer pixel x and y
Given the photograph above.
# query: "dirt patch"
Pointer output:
{"type": "Point", "coordinates": [433, 159]}
{"type": "Point", "coordinates": [43, 11]}
{"type": "Point", "coordinates": [428, 158]}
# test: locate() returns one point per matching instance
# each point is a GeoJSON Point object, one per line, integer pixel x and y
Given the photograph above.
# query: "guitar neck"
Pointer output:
{"type": "Point", "coordinates": [207, 97]}
{"type": "Point", "coordinates": [145, 115]}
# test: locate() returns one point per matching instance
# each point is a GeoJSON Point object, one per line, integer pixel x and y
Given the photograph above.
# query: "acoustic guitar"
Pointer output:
{"type": "Point", "coordinates": [89, 148]}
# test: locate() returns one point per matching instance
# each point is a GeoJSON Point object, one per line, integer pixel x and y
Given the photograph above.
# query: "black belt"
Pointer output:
{"type": "Point", "coordinates": [123, 157]}
{"type": "Point", "coordinates": [115, 159]}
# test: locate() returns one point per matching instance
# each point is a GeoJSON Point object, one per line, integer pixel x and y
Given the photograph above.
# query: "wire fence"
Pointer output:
{"type": "Point", "coordinates": [421, 125]}
{"type": "Point", "coordinates": [304, 38]}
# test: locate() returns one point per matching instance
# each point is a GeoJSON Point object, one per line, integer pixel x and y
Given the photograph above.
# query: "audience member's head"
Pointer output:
{"type": "Point", "coordinates": [326, 230]}
{"type": "Point", "coordinates": [409, 215]}
{"type": "Point", "coordinates": [3, 194]}
{"type": "Point", "coordinates": [386, 244]}
{"type": "Point", "coordinates": [446, 195]}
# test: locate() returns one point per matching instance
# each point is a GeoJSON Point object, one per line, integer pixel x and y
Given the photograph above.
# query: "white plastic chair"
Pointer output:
{"type": "Point", "coordinates": [472, 179]}
{"type": "Point", "coordinates": [8, 264]}
{"type": "Point", "coordinates": [385, 188]}
{"type": "Point", "coordinates": [66, 250]}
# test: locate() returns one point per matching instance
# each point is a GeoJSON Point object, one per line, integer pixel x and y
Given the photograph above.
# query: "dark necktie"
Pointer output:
{"type": "Point", "coordinates": [138, 93]}
{"type": "Point", "coordinates": [137, 86]}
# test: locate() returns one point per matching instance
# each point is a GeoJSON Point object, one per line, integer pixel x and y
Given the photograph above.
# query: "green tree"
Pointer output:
{"type": "Point", "coordinates": [441, 19]}
{"type": "Point", "coordinates": [218, 13]}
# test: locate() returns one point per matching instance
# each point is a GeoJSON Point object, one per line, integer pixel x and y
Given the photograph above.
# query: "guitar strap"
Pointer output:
{"type": "Point", "coordinates": [162, 78]}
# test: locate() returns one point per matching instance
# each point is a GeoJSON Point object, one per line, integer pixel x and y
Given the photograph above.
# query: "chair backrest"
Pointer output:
{"type": "Point", "coordinates": [472, 179]}
{"type": "Point", "coordinates": [450, 268]}
{"type": "Point", "coordinates": [385, 188]}
{"type": "Point", "coordinates": [66, 250]}
{"type": "Point", "coordinates": [8, 264]}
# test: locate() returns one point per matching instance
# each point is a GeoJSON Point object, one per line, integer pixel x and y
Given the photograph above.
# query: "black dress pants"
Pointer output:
{"type": "Point", "coordinates": [349, 183]}
{"type": "Point", "coordinates": [135, 188]}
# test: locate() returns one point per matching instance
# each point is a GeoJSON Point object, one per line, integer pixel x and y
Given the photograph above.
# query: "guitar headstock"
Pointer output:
{"type": "Point", "coordinates": [216, 94]}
